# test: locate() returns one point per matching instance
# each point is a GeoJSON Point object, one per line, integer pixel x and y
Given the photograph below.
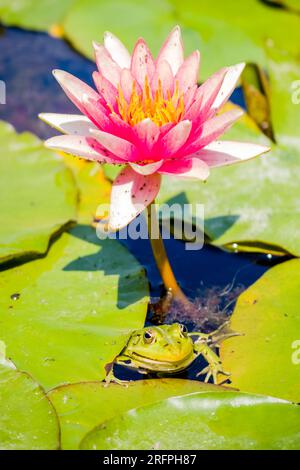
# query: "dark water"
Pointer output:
{"type": "Point", "coordinates": [26, 62]}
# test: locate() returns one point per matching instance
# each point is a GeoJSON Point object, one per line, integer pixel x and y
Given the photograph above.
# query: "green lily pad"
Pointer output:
{"type": "Point", "coordinates": [88, 20]}
{"type": "Point", "coordinates": [94, 188]}
{"type": "Point", "coordinates": [39, 195]}
{"type": "Point", "coordinates": [27, 419]}
{"type": "Point", "coordinates": [33, 14]}
{"type": "Point", "coordinates": [255, 204]}
{"type": "Point", "coordinates": [234, 31]}
{"type": "Point", "coordinates": [82, 406]}
{"type": "Point", "coordinates": [264, 360]}
{"type": "Point", "coordinates": [285, 97]}
{"type": "Point", "coordinates": [73, 309]}
{"type": "Point", "coordinates": [212, 421]}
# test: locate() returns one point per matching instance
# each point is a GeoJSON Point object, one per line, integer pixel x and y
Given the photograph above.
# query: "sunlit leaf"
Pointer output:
{"type": "Point", "coordinates": [210, 421]}
{"type": "Point", "coordinates": [267, 358]}
{"type": "Point", "coordinates": [38, 195]}
{"type": "Point", "coordinates": [65, 316]}
{"type": "Point", "coordinates": [82, 406]}
{"type": "Point", "coordinates": [248, 204]}
{"type": "Point", "coordinates": [27, 419]}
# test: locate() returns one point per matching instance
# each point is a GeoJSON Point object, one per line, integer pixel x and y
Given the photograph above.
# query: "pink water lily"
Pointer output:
{"type": "Point", "coordinates": [150, 115]}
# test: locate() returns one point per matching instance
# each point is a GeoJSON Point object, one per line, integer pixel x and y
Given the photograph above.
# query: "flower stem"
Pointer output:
{"type": "Point", "coordinates": [161, 258]}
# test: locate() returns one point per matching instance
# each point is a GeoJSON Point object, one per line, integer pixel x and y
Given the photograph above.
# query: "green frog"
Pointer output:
{"type": "Point", "coordinates": [170, 349]}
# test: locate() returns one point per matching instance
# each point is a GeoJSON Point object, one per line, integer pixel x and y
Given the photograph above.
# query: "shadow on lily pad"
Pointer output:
{"type": "Point", "coordinates": [104, 261]}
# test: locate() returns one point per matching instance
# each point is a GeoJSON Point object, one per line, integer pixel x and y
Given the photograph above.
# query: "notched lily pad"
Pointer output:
{"type": "Point", "coordinates": [74, 308]}
{"type": "Point", "coordinates": [38, 197]}
{"type": "Point", "coordinates": [265, 359]}
{"type": "Point", "coordinates": [249, 204]}
{"type": "Point", "coordinates": [202, 421]}
{"type": "Point", "coordinates": [82, 406]}
{"type": "Point", "coordinates": [27, 418]}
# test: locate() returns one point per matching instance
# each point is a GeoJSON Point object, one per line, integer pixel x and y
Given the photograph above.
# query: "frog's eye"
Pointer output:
{"type": "Point", "coordinates": [149, 337]}
{"type": "Point", "coordinates": [183, 330]}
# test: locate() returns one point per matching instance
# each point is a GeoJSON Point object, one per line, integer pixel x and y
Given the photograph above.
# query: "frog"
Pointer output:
{"type": "Point", "coordinates": [169, 349]}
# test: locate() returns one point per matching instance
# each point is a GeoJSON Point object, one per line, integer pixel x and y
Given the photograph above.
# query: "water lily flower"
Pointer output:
{"type": "Point", "coordinates": [150, 115]}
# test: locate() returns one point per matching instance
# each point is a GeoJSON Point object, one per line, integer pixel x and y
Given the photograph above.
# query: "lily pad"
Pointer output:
{"type": "Point", "coordinates": [38, 198]}
{"type": "Point", "coordinates": [82, 406]}
{"type": "Point", "coordinates": [264, 360]}
{"type": "Point", "coordinates": [285, 97]}
{"type": "Point", "coordinates": [254, 205]}
{"type": "Point", "coordinates": [27, 419]}
{"type": "Point", "coordinates": [88, 20]}
{"type": "Point", "coordinates": [204, 421]}
{"type": "Point", "coordinates": [33, 14]}
{"type": "Point", "coordinates": [94, 188]}
{"type": "Point", "coordinates": [65, 316]}
{"type": "Point", "coordinates": [247, 29]}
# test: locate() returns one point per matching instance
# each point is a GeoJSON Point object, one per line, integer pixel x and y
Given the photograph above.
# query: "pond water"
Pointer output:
{"type": "Point", "coordinates": [212, 276]}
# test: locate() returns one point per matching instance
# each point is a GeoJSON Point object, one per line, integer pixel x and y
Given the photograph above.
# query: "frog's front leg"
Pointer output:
{"type": "Point", "coordinates": [110, 376]}
{"type": "Point", "coordinates": [214, 367]}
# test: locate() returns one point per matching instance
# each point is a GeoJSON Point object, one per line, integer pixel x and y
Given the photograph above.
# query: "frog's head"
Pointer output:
{"type": "Point", "coordinates": [166, 343]}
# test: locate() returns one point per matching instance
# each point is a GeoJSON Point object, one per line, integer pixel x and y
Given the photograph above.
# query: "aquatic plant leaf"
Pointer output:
{"type": "Point", "coordinates": [94, 188]}
{"type": "Point", "coordinates": [247, 30]}
{"type": "Point", "coordinates": [204, 421]}
{"type": "Point", "coordinates": [65, 316]}
{"type": "Point", "coordinates": [254, 203]}
{"type": "Point", "coordinates": [28, 420]}
{"type": "Point", "coordinates": [33, 14]}
{"type": "Point", "coordinates": [87, 21]}
{"type": "Point", "coordinates": [266, 359]}
{"type": "Point", "coordinates": [38, 196]}
{"type": "Point", "coordinates": [82, 406]}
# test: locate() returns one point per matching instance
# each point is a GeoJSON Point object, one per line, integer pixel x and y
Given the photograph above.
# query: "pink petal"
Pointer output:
{"type": "Point", "coordinates": [68, 123]}
{"type": "Point", "coordinates": [187, 168]}
{"type": "Point", "coordinates": [95, 112]}
{"type": "Point", "coordinates": [106, 65]}
{"type": "Point", "coordinates": [147, 133]}
{"type": "Point", "coordinates": [120, 128]}
{"type": "Point", "coordinates": [164, 74]}
{"type": "Point", "coordinates": [81, 146]}
{"type": "Point", "coordinates": [232, 75]}
{"type": "Point", "coordinates": [74, 88]}
{"type": "Point", "coordinates": [189, 96]}
{"type": "Point", "coordinates": [127, 80]}
{"type": "Point", "coordinates": [222, 152]}
{"type": "Point", "coordinates": [117, 50]}
{"type": "Point", "coordinates": [107, 91]}
{"type": "Point", "coordinates": [172, 50]}
{"type": "Point", "coordinates": [142, 63]}
{"type": "Point", "coordinates": [174, 139]}
{"type": "Point", "coordinates": [131, 194]}
{"type": "Point", "coordinates": [214, 128]}
{"type": "Point", "coordinates": [119, 147]}
{"type": "Point", "coordinates": [188, 72]}
{"type": "Point", "coordinates": [148, 169]}
{"type": "Point", "coordinates": [205, 97]}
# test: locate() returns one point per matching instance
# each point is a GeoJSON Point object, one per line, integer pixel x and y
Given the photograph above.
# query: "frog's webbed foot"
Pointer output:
{"type": "Point", "coordinates": [221, 334]}
{"type": "Point", "coordinates": [111, 378]}
{"type": "Point", "coordinates": [214, 370]}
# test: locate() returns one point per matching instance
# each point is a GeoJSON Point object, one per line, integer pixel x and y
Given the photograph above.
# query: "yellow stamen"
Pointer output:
{"type": "Point", "coordinates": [144, 105]}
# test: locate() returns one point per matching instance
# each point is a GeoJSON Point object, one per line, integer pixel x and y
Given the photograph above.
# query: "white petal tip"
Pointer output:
{"type": "Point", "coordinates": [96, 45]}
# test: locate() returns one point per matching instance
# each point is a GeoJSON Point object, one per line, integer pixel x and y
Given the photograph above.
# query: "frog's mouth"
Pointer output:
{"type": "Point", "coordinates": [155, 363]}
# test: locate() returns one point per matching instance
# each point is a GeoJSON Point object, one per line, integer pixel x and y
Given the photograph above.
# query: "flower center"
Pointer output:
{"type": "Point", "coordinates": [160, 107]}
